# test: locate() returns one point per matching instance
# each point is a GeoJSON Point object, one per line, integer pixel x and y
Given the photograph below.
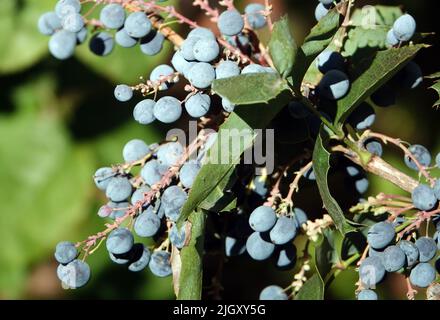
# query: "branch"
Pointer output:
{"type": "Point", "coordinates": [381, 168]}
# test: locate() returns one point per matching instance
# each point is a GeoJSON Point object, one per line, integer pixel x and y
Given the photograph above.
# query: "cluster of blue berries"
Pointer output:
{"type": "Point", "coordinates": [150, 220]}
{"type": "Point", "coordinates": [404, 256]}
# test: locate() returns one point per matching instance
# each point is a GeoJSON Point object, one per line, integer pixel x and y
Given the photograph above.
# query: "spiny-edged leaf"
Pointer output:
{"type": "Point", "coordinates": [321, 166]}
{"type": "Point", "coordinates": [325, 254]}
{"type": "Point", "coordinates": [370, 74]}
{"type": "Point", "coordinates": [435, 86]}
{"type": "Point", "coordinates": [250, 88]}
{"type": "Point", "coordinates": [371, 16]}
{"type": "Point", "coordinates": [313, 289]}
{"type": "Point", "coordinates": [191, 273]}
{"type": "Point", "coordinates": [282, 47]}
{"type": "Point", "coordinates": [319, 38]}
{"type": "Point", "coordinates": [234, 137]}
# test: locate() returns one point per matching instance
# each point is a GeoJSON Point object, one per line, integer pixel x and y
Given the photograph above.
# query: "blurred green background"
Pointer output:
{"type": "Point", "coordinates": [59, 122]}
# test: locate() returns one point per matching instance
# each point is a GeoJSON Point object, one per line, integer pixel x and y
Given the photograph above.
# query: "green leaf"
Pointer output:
{"type": "Point", "coordinates": [321, 166]}
{"type": "Point", "coordinates": [325, 254]}
{"type": "Point", "coordinates": [230, 135]}
{"type": "Point", "coordinates": [191, 274]}
{"type": "Point", "coordinates": [250, 88]}
{"type": "Point", "coordinates": [319, 38]}
{"type": "Point", "coordinates": [282, 47]}
{"type": "Point", "coordinates": [370, 74]}
{"type": "Point", "coordinates": [371, 16]}
{"type": "Point", "coordinates": [435, 86]}
{"type": "Point", "coordinates": [313, 289]}
{"type": "Point", "coordinates": [22, 45]}
{"type": "Point", "coordinates": [220, 198]}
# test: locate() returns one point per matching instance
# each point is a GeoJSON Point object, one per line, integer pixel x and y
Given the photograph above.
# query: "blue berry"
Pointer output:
{"type": "Point", "coordinates": [49, 23]}
{"type": "Point", "coordinates": [384, 97]}
{"type": "Point", "coordinates": [124, 40]}
{"type": "Point", "coordinates": [230, 23]}
{"type": "Point", "coordinates": [188, 173]}
{"type": "Point", "coordinates": [118, 189]}
{"type": "Point", "coordinates": [393, 258]}
{"type": "Point", "coordinates": [81, 35]}
{"type": "Point", "coordinates": [422, 275]}
{"type": "Point", "coordinates": [206, 50]}
{"type": "Point", "coordinates": [361, 185]}
{"type": "Point", "coordinates": [160, 73]}
{"type": "Point", "coordinates": [119, 241]}
{"type": "Point", "coordinates": [197, 105]}
{"type": "Point", "coordinates": [177, 237]}
{"type": "Point", "coordinates": [72, 22]}
{"type": "Point", "coordinates": [363, 117]}
{"type": "Point", "coordinates": [330, 60]}
{"type": "Point", "coordinates": [75, 274]}
{"type": "Point", "coordinates": [180, 64]}
{"type": "Point", "coordinates": [423, 198]}
{"type": "Point", "coordinates": [62, 44]}
{"type": "Point", "coordinates": [373, 146]}
{"type": "Point", "coordinates": [411, 252]}
{"type": "Point", "coordinates": [273, 293]}
{"type": "Point", "coordinates": [284, 230]}
{"type": "Point", "coordinates": [65, 252]}
{"type": "Point", "coordinates": [391, 39]}
{"type": "Point", "coordinates": [263, 218]}
{"type": "Point", "coordinates": [367, 294]}
{"type": "Point", "coordinates": [147, 223]}
{"type": "Point", "coordinates": [187, 48]}
{"type": "Point", "coordinates": [103, 176]}
{"type": "Point", "coordinates": [227, 105]}
{"type": "Point", "coordinates": [143, 112]}
{"type": "Point", "coordinates": [160, 264]}
{"type": "Point", "coordinates": [412, 75]}
{"type": "Point", "coordinates": [285, 256]}
{"type": "Point", "coordinates": [404, 27]}
{"type": "Point", "coordinates": [135, 150]}
{"type": "Point", "coordinates": [422, 155]}
{"type": "Point", "coordinates": [105, 211]}
{"type": "Point", "coordinates": [427, 248]}
{"type": "Point", "coordinates": [234, 246]}
{"type": "Point", "coordinates": [141, 262]}
{"type": "Point", "coordinates": [298, 110]}
{"type": "Point", "coordinates": [102, 44]}
{"type": "Point", "coordinates": [152, 44]}
{"type": "Point", "coordinates": [353, 171]}
{"type": "Point", "coordinates": [150, 173]}
{"type": "Point", "coordinates": [201, 75]}
{"type": "Point", "coordinates": [65, 7]}
{"type": "Point", "coordinates": [371, 271]}
{"type": "Point", "coordinates": [381, 235]}
{"type": "Point", "coordinates": [436, 189]}
{"type": "Point", "coordinates": [123, 93]}
{"type": "Point", "coordinates": [227, 69]}
{"type": "Point", "coordinates": [327, 2]}
{"type": "Point", "coordinates": [320, 11]}
{"type": "Point", "coordinates": [173, 199]}
{"type": "Point", "coordinates": [167, 109]}
{"type": "Point", "coordinates": [138, 195]}
{"type": "Point", "coordinates": [310, 174]}
{"type": "Point", "coordinates": [120, 258]}
{"type": "Point", "coordinates": [201, 33]}
{"type": "Point", "coordinates": [137, 25]}
{"type": "Point", "coordinates": [254, 14]}
{"type": "Point", "coordinates": [300, 216]}
{"type": "Point", "coordinates": [256, 68]}
{"type": "Point", "coordinates": [118, 209]}
{"type": "Point", "coordinates": [169, 154]}
{"type": "Point", "coordinates": [113, 16]}
{"type": "Point", "coordinates": [334, 85]}
{"type": "Point", "coordinates": [259, 246]}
